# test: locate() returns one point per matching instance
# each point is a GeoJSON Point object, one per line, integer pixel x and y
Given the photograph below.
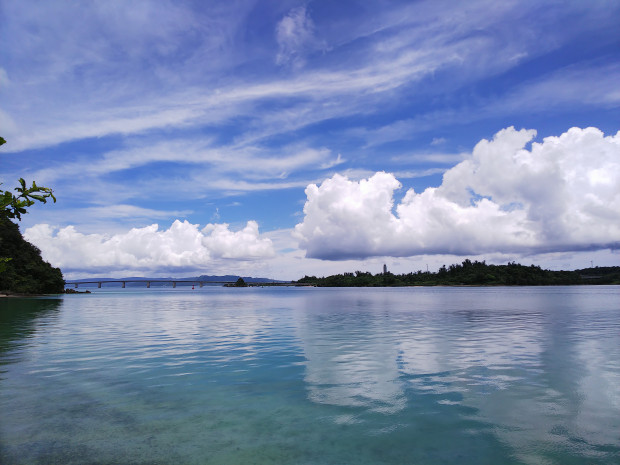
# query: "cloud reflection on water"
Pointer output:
{"type": "Point", "coordinates": [524, 364]}
{"type": "Point", "coordinates": [528, 374]}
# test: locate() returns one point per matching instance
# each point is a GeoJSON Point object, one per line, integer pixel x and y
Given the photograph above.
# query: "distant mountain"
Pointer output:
{"type": "Point", "coordinates": [233, 278]}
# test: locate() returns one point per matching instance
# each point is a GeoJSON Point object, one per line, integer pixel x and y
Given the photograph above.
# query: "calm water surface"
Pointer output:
{"type": "Point", "coordinates": [312, 376]}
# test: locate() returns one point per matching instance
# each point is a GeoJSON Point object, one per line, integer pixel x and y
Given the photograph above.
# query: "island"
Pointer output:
{"type": "Point", "coordinates": [470, 273]}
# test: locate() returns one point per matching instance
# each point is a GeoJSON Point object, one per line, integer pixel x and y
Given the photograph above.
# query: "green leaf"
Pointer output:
{"type": "Point", "coordinates": [12, 206]}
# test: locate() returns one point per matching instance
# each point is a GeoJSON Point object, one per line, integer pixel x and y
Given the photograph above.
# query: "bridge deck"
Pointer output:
{"type": "Point", "coordinates": [174, 282]}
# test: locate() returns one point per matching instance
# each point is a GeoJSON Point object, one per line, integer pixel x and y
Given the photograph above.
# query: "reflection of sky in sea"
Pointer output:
{"type": "Point", "coordinates": [526, 374]}
{"type": "Point", "coordinates": [363, 351]}
{"type": "Point", "coordinates": [534, 365]}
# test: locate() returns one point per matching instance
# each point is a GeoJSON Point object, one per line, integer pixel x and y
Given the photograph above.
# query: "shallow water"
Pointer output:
{"type": "Point", "coordinates": [309, 375]}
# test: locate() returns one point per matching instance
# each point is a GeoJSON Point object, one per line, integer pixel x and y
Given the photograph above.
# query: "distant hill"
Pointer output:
{"type": "Point", "coordinates": [247, 279]}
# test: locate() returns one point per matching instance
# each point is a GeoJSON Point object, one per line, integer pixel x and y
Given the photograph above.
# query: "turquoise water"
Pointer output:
{"type": "Point", "coordinates": [312, 376]}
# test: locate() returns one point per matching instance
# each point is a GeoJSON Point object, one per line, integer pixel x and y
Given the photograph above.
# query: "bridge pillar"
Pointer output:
{"type": "Point", "coordinates": [123, 284]}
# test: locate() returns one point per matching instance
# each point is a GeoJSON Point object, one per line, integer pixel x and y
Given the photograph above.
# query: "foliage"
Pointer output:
{"type": "Point", "coordinates": [22, 270]}
{"type": "Point", "coordinates": [14, 206]}
{"type": "Point", "coordinates": [470, 273]}
{"type": "Point", "coordinates": [239, 283]}
{"type": "Point", "coordinates": [25, 271]}
{"type": "Point", "coordinates": [3, 262]}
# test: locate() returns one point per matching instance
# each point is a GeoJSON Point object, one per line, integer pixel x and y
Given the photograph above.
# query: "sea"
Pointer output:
{"type": "Point", "coordinates": [214, 375]}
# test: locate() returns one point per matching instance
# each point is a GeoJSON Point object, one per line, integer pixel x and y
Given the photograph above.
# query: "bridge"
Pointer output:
{"type": "Point", "coordinates": [182, 282]}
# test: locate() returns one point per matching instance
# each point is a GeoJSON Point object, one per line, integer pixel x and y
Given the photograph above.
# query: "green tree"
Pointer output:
{"type": "Point", "coordinates": [3, 262]}
{"type": "Point", "coordinates": [26, 272]}
{"type": "Point", "coordinates": [22, 269]}
{"type": "Point", "coordinates": [14, 206]}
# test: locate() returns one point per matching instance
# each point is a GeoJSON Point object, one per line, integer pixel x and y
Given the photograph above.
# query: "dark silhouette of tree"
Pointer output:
{"type": "Point", "coordinates": [474, 273]}
{"type": "Point", "coordinates": [26, 272]}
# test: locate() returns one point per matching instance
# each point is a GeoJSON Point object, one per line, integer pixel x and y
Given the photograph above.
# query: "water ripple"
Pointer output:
{"type": "Point", "coordinates": [433, 375]}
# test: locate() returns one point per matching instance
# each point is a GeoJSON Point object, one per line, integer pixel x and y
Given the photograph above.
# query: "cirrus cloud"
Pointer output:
{"type": "Point", "coordinates": [295, 36]}
{"type": "Point", "coordinates": [561, 195]}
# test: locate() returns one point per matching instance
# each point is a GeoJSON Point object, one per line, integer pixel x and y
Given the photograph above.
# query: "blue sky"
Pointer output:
{"type": "Point", "coordinates": [220, 115]}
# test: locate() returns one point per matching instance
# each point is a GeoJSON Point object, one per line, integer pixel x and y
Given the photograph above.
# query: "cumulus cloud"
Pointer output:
{"type": "Point", "coordinates": [242, 245]}
{"type": "Point", "coordinates": [560, 195]}
{"type": "Point", "coordinates": [182, 246]}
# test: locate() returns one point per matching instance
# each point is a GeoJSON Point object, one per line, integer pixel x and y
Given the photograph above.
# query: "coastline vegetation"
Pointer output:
{"type": "Point", "coordinates": [25, 272]}
{"type": "Point", "coordinates": [470, 273]}
{"type": "Point", "coordinates": [239, 283]}
{"type": "Point", "coordinates": [22, 270]}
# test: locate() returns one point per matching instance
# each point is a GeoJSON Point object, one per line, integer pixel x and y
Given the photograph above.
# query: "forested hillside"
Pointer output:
{"type": "Point", "coordinates": [25, 272]}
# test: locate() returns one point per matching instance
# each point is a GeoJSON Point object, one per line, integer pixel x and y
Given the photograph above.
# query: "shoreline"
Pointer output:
{"type": "Point", "coordinates": [14, 295]}
{"type": "Point", "coordinates": [11, 295]}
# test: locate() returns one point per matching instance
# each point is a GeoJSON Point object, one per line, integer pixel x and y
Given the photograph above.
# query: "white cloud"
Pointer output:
{"type": "Point", "coordinates": [418, 173]}
{"type": "Point", "coordinates": [250, 162]}
{"type": "Point", "coordinates": [182, 246]}
{"type": "Point", "coordinates": [291, 263]}
{"type": "Point", "coordinates": [439, 158]}
{"type": "Point", "coordinates": [140, 105]}
{"type": "Point", "coordinates": [295, 36]}
{"type": "Point", "coordinates": [566, 89]}
{"type": "Point", "coordinates": [244, 244]}
{"type": "Point", "coordinates": [330, 164]}
{"type": "Point", "coordinates": [130, 69]}
{"type": "Point", "coordinates": [4, 78]}
{"type": "Point", "coordinates": [125, 211]}
{"type": "Point", "coordinates": [8, 125]}
{"type": "Point", "coordinates": [562, 195]}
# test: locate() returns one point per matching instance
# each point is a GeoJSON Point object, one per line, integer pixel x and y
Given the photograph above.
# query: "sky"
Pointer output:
{"type": "Point", "coordinates": [288, 138]}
